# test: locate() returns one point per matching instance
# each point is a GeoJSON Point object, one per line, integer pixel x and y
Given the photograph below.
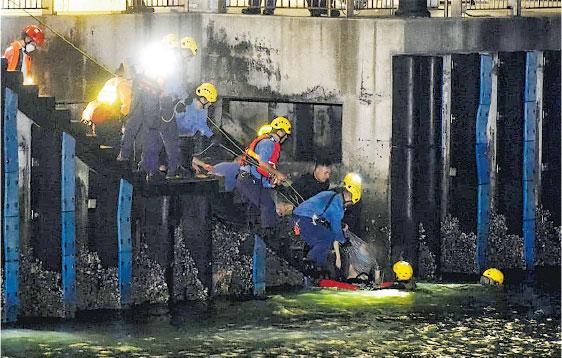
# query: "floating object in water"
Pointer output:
{"type": "Point", "coordinates": [337, 284]}
{"type": "Point", "coordinates": [492, 276]}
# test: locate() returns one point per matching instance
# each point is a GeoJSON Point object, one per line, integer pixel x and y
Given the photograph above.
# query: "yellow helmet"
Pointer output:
{"type": "Point", "coordinates": [403, 270]}
{"type": "Point", "coordinates": [281, 123]}
{"type": "Point", "coordinates": [171, 40]}
{"type": "Point", "coordinates": [352, 183]}
{"type": "Point", "coordinates": [264, 129]}
{"type": "Point", "coordinates": [495, 275]}
{"type": "Point", "coordinates": [207, 90]}
{"type": "Point", "coordinates": [189, 44]}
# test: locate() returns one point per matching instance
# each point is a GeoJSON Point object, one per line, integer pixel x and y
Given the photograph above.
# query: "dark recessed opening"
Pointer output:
{"type": "Point", "coordinates": [317, 128]}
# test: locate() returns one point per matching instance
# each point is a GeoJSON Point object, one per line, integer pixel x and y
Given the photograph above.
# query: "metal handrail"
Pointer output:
{"type": "Point", "coordinates": [156, 3]}
{"type": "Point", "coordinates": [23, 4]}
{"type": "Point", "coordinates": [318, 4]}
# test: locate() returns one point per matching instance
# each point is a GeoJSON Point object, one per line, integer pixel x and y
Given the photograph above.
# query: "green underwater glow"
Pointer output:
{"type": "Point", "coordinates": [340, 299]}
{"type": "Point", "coordinates": [435, 320]}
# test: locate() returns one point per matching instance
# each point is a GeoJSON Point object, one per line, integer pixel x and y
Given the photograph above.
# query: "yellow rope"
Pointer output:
{"type": "Point", "coordinates": [101, 65]}
{"type": "Point", "coordinates": [252, 160]}
{"type": "Point", "coordinates": [85, 54]}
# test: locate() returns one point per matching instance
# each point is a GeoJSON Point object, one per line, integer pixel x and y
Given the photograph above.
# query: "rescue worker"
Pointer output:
{"type": "Point", "coordinates": [404, 273]}
{"type": "Point", "coordinates": [318, 220]}
{"type": "Point", "coordinates": [258, 173]}
{"type": "Point", "coordinates": [19, 53]}
{"type": "Point", "coordinates": [112, 102]}
{"type": "Point", "coordinates": [144, 116]}
{"type": "Point", "coordinates": [310, 184]}
{"type": "Point", "coordinates": [493, 277]}
{"type": "Point", "coordinates": [191, 116]}
{"type": "Point", "coordinates": [173, 90]}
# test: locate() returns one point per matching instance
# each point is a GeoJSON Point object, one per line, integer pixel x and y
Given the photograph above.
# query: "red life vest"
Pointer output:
{"type": "Point", "coordinates": [12, 54]}
{"type": "Point", "coordinates": [250, 152]}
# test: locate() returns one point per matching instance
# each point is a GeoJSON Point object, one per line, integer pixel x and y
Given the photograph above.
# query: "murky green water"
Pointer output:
{"type": "Point", "coordinates": [434, 321]}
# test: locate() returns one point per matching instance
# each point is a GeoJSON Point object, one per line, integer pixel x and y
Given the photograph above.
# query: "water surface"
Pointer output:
{"type": "Point", "coordinates": [435, 320]}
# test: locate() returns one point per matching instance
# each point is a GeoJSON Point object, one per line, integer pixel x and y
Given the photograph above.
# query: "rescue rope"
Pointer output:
{"type": "Point", "coordinates": [251, 161]}
{"type": "Point", "coordinates": [85, 54]}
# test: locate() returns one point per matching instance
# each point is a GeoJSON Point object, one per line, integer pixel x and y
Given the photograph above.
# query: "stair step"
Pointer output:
{"type": "Point", "coordinates": [29, 90]}
{"type": "Point", "coordinates": [47, 102]}
{"type": "Point", "coordinates": [13, 79]}
{"type": "Point", "coordinates": [61, 119]}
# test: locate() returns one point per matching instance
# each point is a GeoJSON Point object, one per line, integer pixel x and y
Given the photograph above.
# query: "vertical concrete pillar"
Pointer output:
{"type": "Point", "coordinates": [531, 109]}
{"type": "Point", "coordinates": [482, 159]}
{"type": "Point", "coordinates": [456, 8]}
{"type": "Point", "coordinates": [510, 143]}
{"type": "Point", "coordinates": [427, 156]}
{"type": "Point", "coordinates": [550, 141]}
{"type": "Point", "coordinates": [445, 135]}
{"type": "Point", "coordinates": [124, 243]}
{"type": "Point", "coordinates": [10, 205]}
{"type": "Point", "coordinates": [492, 133]}
{"type": "Point", "coordinates": [403, 225]}
{"type": "Point", "coordinates": [68, 220]}
{"type": "Point", "coordinates": [259, 266]}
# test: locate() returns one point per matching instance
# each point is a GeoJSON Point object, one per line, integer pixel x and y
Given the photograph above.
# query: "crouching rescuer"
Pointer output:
{"type": "Point", "coordinates": [318, 220]}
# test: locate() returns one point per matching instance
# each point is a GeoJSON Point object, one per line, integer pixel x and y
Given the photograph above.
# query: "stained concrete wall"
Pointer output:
{"type": "Point", "coordinates": [344, 61]}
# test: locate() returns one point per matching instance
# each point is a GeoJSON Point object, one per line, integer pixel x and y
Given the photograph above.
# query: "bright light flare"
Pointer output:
{"type": "Point", "coordinates": [356, 177]}
{"type": "Point", "coordinates": [28, 81]}
{"type": "Point", "coordinates": [108, 93]}
{"type": "Point", "coordinates": [382, 293]}
{"type": "Point", "coordinates": [158, 61]}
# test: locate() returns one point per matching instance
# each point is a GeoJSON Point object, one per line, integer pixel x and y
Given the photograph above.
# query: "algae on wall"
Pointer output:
{"type": "Point", "coordinates": [41, 293]}
{"type": "Point", "coordinates": [426, 260]}
{"type": "Point", "coordinates": [96, 287]}
{"type": "Point", "coordinates": [149, 279]}
{"type": "Point", "coordinates": [232, 270]}
{"type": "Point", "coordinates": [503, 250]}
{"type": "Point", "coordinates": [186, 285]}
{"type": "Point", "coordinates": [547, 244]}
{"type": "Point", "coordinates": [458, 249]}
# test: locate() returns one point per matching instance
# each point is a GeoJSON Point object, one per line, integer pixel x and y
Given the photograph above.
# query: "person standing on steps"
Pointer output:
{"type": "Point", "coordinates": [19, 53]}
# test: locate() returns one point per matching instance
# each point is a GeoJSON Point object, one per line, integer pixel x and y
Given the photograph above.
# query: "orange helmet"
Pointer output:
{"type": "Point", "coordinates": [36, 34]}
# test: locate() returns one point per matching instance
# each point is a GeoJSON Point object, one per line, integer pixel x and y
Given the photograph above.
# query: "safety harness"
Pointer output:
{"type": "Point", "coordinates": [251, 155]}
{"type": "Point", "coordinates": [317, 219]}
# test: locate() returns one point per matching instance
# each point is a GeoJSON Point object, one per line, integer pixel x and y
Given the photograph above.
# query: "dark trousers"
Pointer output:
{"type": "Point", "coordinates": [143, 117]}
{"type": "Point", "coordinates": [252, 191]}
{"type": "Point", "coordinates": [318, 237]}
{"type": "Point", "coordinates": [186, 146]}
{"type": "Point", "coordinates": [269, 4]}
{"type": "Point", "coordinates": [169, 135]}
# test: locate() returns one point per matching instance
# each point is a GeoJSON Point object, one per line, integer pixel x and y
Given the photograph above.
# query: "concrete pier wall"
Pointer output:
{"type": "Point", "coordinates": [284, 59]}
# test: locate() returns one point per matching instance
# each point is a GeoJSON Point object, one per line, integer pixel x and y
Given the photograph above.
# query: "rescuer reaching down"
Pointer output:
{"type": "Point", "coordinates": [19, 53]}
{"type": "Point", "coordinates": [318, 220]}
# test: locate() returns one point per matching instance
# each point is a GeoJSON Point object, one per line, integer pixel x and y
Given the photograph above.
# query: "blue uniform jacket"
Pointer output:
{"type": "Point", "coordinates": [264, 149]}
{"type": "Point", "coordinates": [334, 213]}
{"type": "Point", "coordinates": [193, 120]}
